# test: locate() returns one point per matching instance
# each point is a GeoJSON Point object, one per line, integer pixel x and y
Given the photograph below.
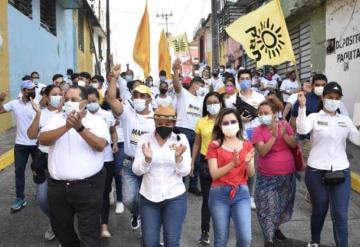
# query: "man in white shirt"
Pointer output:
{"type": "Point", "coordinates": [267, 84]}
{"type": "Point", "coordinates": [35, 77]}
{"type": "Point", "coordinates": [289, 86]}
{"type": "Point", "coordinates": [136, 119]}
{"type": "Point", "coordinates": [76, 141]}
{"type": "Point", "coordinates": [189, 104]}
{"type": "Point", "coordinates": [216, 81]}
{"type": "Point", "coordinates": [24, 146]}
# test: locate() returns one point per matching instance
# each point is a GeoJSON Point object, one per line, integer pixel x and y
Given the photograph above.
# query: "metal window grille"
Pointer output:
{"type": "Point", "coordinates": [24, 6]}
{"type": "Point", "coordinates": [48, 15]}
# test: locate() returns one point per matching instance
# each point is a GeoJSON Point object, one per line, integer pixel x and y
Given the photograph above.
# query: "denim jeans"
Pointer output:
{"type": "Point", "coordinates": [190, 135]}
{"type": "Point", "coordinates": [21, 153]}
{"type": "Point", "coordinates": [42, 197]}
{"type": "Point", "coordinates": [130, 188]}
{"type": "Point", "coordinates": [169, 213]}
{"type": "Point", "coordinates": [119, 159]}
{"type": "Point", "coordinates": [322, 195]}
{"type": "Point", "coordinates": [223, 208]}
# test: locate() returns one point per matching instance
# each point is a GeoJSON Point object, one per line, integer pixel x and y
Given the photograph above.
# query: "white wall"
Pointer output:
{"type": "Point", "coordinates": [343, 66]}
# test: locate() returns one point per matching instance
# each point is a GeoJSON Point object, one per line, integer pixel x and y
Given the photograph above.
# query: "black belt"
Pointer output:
{"type": "Point", "coordinates": [79, 181]}
{"type": "Point", "coordinates": [129, 158]}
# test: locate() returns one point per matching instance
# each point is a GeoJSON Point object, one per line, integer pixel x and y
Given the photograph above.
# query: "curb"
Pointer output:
{"type": "Point", "coordinates": [355, 182]}
{"type": "Point", "coordinates": [6, 159]}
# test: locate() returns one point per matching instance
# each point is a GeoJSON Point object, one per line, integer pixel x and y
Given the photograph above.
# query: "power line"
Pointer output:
{"type": "Point", "coordinates": [165, 17]}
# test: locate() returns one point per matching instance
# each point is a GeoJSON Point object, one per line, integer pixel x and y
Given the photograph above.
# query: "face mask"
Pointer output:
{"type": "Point", "coordinates": [229, 89]}
{"type": "Point", "coordinates": [245, 84]}
{"type": "Point", "coordinates": [150, 83]}
{"type": "Point", "coordinates": [71, 106]}
{"type": "Point", "coordinates": [318, 91]}
{"type": "Point", "coordinates": [55, 101]}
{"type": "Point", "coordinates": [266, 120]}
{"type": "Point", "coordinates": [31, 95]}
{"type": "Point", "coordinates": [331, 104]}
{"type": "Point", "coordinates": [139, 104]}
{"type": "Point", "coordinates": [81, 83]}
{"type": "Point", "coordinates": [129, 78]}
{"type": "Point", "coordinates": [163, 90]}
{"type": "Point", "coordinates": [230, 130]}
{"type": "Point", "coordinates": [93, 107]}
{"type": "Point", "coordinates": [162, 78]}
{"type": "Point", "coordinates": [213, 109]}
{"type": "Point", "coordinates": [221, 71]}
{"type": "Point", "coordinates": [95, 85]}
{"type": "Point", "coordinates": [164, 132]}
{"type": "Point", "coordinates": [36, 82]}
{"type": "Point", "coordinates": [201, 91]}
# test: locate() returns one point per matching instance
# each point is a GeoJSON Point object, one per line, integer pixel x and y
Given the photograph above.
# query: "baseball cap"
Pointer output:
{"type": "Point", "coordinates": [165, 112]}
{"type": "Point", "coordinates": [143, 89]}
{"type": "Point", "coordinates": [332, 87]}
{"type": "Point", "coordinates": [27, 85]}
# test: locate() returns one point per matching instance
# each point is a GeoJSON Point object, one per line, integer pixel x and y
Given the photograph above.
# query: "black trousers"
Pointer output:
{"type": "Point", "coordinates": [205, 183]}
{"type": "Point", "coordinates": [110, 172]}
{"type": "Point", "coordinates": [83, 199]}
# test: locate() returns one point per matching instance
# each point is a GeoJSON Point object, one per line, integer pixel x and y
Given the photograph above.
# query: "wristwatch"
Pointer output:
{"type": "Point", "coordinates": [80, 129]}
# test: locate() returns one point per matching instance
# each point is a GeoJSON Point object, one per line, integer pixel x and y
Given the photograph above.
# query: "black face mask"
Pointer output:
{"type": "Point", "coordinates": [163, 90]}
{"type": "Point", "coordinates": [164, 132]}
{"type": "Point", "coordinates": [31, 95]}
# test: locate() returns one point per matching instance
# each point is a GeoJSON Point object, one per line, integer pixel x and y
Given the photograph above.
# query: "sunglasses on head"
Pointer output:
{"type": "Point", "coordinates": [226, 123]}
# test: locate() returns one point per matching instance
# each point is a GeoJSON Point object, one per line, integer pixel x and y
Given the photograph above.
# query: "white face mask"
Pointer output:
{"type": "Point", "coordinates": [55, 101]}
{"type": "Point", "coordinates": [71, 106]}
{"type": "Point", "coordinates": [331, 104]}
{"type": "Point", "coordinates": [200, 92]}
{"type": "Point", "coordinates": [318, 91]}
{"type": "Point", "coordinates": [230, 130]}
{"type": "Point", "coordinates": [139, 104]}
{"type": "Point", "coordinates": [213, 109]}
{"type": "Point", "coordinates": [95, 85]}
{"type": "Point", "coordinates": [81, 83]}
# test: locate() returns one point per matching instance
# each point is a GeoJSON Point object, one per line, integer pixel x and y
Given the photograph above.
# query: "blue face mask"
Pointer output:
{"type": "Point", "coordinates": [266, 120]}
{"type": "Point", "coordinates": [93, 107]}
{"type": "Point", "coordinates": [162, 78]}
{"type": "Point", "coordinates": [55, 101]}
{"type": "Point", "coordinates": [245, 84]}
{"type": "Point", "coordinates": [129, 78]}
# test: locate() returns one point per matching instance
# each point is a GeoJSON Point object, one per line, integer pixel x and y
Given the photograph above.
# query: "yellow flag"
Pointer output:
{"type": "Point", "coordinates": [141, 51]}
{"type": "Point", "coordinates": [264, 35]}
{"type": "Point", "coordinates": [164, 55]}
{"type": "Point", "coordinates": [181, 48]}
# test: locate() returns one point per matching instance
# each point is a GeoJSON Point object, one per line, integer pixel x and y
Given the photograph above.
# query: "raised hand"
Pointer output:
{"type": "Point", "coordinates": [274, 129]}
{"type": "Point", "coordinates": [179, 150]}
{"type": "Point", "coordinates": [147, 151]}
{"type": "Point", "coordinates": [2, 97]}
{"type": "Point", "coordinates": [301, 99]}
{"type": "Point", "coordinates": [250, 156]}
{"type": "Point", "coordinates": [236, 158]}
{"type": "Point", "coordinates": [177, 65]}
{"type": "Point", "coordinates": [116, 70]}
{"type": "Point", "coordinates": [115, 148]}
{"type": "Point", "coordinates": [35, 106]}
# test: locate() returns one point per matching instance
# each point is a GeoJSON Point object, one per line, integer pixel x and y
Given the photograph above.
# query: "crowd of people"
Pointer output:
{"type": "Point", "coordinates": [237, 138]}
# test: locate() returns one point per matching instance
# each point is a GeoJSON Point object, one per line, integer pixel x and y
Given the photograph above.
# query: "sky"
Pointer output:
{"type": "Point", "coordinates": [125, 18]}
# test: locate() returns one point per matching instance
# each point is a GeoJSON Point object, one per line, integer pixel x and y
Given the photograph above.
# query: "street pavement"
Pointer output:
{"type": "Point", "coordinates": [27, 227]}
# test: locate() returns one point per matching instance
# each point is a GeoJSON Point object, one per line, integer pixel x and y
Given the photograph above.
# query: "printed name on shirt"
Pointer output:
{"type": "Point", "coordinates": [172, 146]}
{"type": "Point", "coordinates": [342, 124]}
{"type": "Point", "coordinates": [135, 135]}
{"type": "Point", "coordinates": [322, 123]}
{"type": "Point", "coordinates": [193, 110]}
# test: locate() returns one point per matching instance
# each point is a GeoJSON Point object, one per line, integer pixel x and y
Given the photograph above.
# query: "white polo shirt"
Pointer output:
{"type": "Point", "coordinates": [134, 126]}
{"type": "Point", "coordinates": [71, 158]}
{"type": "Point", "coordinates": [110, 122]}
{"type": "Point", "coordinates": [189, 109]}
{"type": "Point", "coordinates": [328, 138]}
{"type": "Point", "coordinates": [24, 114]}
{"type": "Point", "coordinates": [290, 86]}
{"type": "Point", "coordinates": [162, 179]}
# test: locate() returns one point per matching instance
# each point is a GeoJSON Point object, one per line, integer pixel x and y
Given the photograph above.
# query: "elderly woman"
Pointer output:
{"type": "Point", "coordinates": [163, 159]}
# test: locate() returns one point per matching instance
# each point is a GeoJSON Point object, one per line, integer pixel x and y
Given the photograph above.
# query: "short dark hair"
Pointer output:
{"type": "Point", "coordinates": [217, 134]}
{"type": "Point", "coordinates": [50, 87]}
{"type": "Point", "coordinates": [69, 72]}
{"type": "Point", "coordinates": [229, 76]}
{"type": "Point", "coordinates": [33, 73]}
{"type": "Point", "coordinates": [57, 76]}
{"type": "Point", "coordinates": [100, 78]}
{"type": "Point", "coordinates": [162, 73]}
{"type": "Point", "coordinates": [85, 75]}
{"type": "Point", "coordinates": [163, 82]}
{"type": "Point", "coordinates": [83, 92]}
{"type": "Point", "coordinates": [74, 76]}
{"type": "Point", "coordinates": [26, 78]}
{"type": "Point", "coordinates": [244, 71]}
{"type": "Point", "coordinates": [123, 74]}
{"type": "Point", "coordinates": [321, 77]}
{"type": "Point", "coordinates": [217, 95]}
{"type": "Point", "coordinates": [92, 90]}
{"type": "Point", "coordinates": [197, 79]}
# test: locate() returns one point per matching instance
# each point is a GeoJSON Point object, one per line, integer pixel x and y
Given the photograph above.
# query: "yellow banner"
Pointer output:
{"type": "Point", "coordinates": [264, 35]}
{"type": "Point", "coordinates": [180, 45]}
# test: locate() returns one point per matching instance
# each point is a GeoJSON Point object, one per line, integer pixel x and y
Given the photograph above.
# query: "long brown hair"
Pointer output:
{"type": "Point", "coordinates": [217, 131]}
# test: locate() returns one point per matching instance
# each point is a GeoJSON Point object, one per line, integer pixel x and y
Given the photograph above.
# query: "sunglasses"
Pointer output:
{"type": "Point", "coordinates": [226, 123]}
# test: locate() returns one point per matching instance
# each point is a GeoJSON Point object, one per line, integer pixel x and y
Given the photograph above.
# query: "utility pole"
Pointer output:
{"type": "Point", "coordinates": [108, 50]}
{"type": "Point", "coordinates": [214, 34]}
{"type": "Point", "coordinates": [165, 17]}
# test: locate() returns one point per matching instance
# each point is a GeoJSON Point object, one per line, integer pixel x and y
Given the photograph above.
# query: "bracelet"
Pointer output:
{"type": "Point", "coordinates": [80, 129]}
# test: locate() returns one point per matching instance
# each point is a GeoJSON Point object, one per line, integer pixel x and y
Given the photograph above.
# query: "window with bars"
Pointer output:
{"type": "Point", "coordinates": [24, 6]}
{"type": "Point", "coordinates": [80, 31]}
{"type": "Point", "coordinates": [48, 15]}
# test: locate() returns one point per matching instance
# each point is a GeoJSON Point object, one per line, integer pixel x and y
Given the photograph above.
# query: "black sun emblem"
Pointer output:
{"type": "Point", "coordinates": [266, 39]}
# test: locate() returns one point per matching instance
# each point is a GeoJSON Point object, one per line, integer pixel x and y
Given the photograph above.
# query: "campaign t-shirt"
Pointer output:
{"type": "Point", "coordinates": [24, 114]}
{"type": "Point", "coordinates": [189, 109]}
{"type": "Point", "coordinates": [110, 122]}
{"type": "Point", "coordinates": [288, 85]}
{"type": "Point", "coordinates": [280, 159]}
{"type": "Point", "coordinates": [135, 125]}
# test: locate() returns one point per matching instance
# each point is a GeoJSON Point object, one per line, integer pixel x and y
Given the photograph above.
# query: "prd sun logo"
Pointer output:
{"type": "Point", "coordinates": [266, 40]}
